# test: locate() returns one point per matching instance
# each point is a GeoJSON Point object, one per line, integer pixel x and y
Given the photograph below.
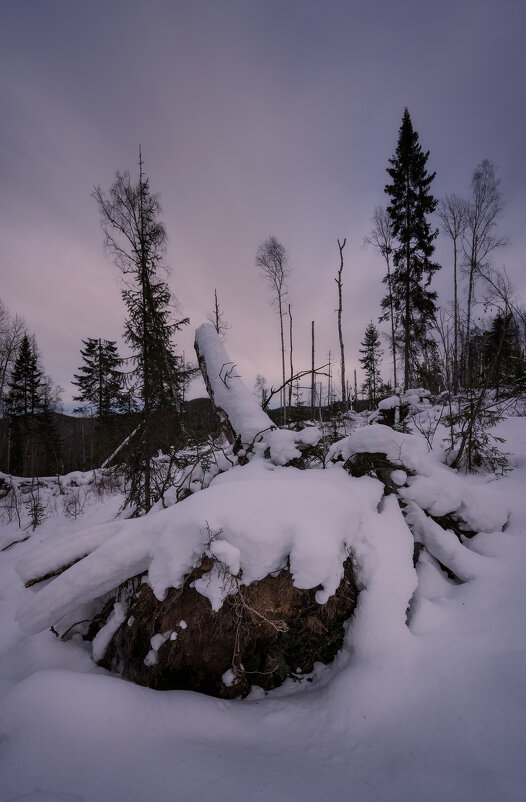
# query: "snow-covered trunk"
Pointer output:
{"type": "Point", "coordinates": [238, 412]}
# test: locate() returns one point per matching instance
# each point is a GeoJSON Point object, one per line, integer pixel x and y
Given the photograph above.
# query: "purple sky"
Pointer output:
{"type": "Point", "coordinates": [255, 118]}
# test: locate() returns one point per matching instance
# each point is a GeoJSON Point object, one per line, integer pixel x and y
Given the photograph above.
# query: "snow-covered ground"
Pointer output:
{"type": "Point", "coordinates": [435, 710]}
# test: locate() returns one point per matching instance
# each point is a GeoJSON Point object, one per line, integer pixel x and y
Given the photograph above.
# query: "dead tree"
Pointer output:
{"type": "Point", "coordinates": [381, 238]}
{"type": "Point", "coordinates": [338, 280]}
{"type": "Point", "coordinates": [217, 318]}
{"type": "Point", "coordinates": [290, 355]}
{"type": "Point", "coordinates": [453, 213]}
{"type": "Point", "coordinates": [313, 380]}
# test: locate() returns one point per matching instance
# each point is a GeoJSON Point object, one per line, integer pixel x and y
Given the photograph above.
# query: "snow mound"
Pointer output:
{"type": "Point", "coordinates": [253, 521]}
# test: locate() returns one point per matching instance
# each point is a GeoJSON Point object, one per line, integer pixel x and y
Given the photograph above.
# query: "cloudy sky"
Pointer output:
{"type": "Point", "coordinates": [255, 117]}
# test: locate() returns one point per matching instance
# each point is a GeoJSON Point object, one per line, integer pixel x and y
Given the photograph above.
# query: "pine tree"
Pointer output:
{"type": "Point", "coordinates": [370, 362]}
{"type": "Point", "coordinates": [137, 239]}
{"type": "Point", "coordinates": [411, 203]}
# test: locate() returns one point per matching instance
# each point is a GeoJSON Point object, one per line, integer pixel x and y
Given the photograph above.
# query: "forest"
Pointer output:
{"type": "Point", "coordinates": [304, 575]}
{"type": "Point", "coordinates": [469, 352]}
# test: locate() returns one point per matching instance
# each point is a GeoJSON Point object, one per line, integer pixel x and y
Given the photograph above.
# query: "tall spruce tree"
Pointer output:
{"type": "Point", "coordinates": [136, 238]}
{"type": "Point", "coordinates": [411, 203]}
{"type": "Point", "coordinates": [370, 362]}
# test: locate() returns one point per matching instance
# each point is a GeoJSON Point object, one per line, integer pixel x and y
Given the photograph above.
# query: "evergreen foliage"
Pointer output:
{"type": "Point", "coordinates": [370, 362]}
{"type": "Point", "coordinates": [100, 380]}
{"type": "Point", "coordinates": [411, 203]}
{"type": "Point", "coordinates": [136, 238]}
{"type": "Point", "coordinates": [100, 384]}
{"type": "Point", "coordinates": [33, 438]}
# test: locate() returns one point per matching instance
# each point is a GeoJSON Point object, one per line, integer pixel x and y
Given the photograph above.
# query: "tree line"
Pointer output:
{"type": "Point", "coordinates": [437, 349]}
{"type": "Point", "coordinates": [140, 398]}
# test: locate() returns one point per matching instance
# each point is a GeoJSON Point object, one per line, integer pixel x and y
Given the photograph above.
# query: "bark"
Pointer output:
{"type": "Point", "coordinates": [341, 246]}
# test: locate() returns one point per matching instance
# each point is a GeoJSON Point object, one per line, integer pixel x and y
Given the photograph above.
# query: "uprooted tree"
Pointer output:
{"type": "Point", "coordinates": [249, 581]}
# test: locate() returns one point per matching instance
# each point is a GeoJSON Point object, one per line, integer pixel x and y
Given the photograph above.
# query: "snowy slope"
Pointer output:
{"type": "Point", "coordinates": [436, 711]}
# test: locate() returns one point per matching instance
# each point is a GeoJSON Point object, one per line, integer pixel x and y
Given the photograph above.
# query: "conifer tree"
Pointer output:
{"type": "Point", "coordinates": [99, 380]}
{"type": "Point", "coordinates": [136, 238]}
{"type": "Point", "coordinates": [411, 203]}
{"type": "Point", "coordinates": [23, 404]}
{"type": "Point", "coordinates": [34, 443]}
{"type": "Point", "coordinates": [100, 384]}
{"type": "Point", "coordinates": [370, 362]}
{"type": "Point", "coordinates": [25, 382]}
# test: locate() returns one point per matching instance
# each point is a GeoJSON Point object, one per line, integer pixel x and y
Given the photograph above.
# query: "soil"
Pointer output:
{"type": "Point", "coordinates": [264, 633]}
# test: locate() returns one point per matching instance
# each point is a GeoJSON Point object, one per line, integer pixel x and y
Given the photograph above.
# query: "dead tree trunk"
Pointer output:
{"type": "Point", "coordinates": [341, 246]}
{"type": "Point", "coordinates": [291, 365]}
{"type": "Point", "coordinates": [313, 381]}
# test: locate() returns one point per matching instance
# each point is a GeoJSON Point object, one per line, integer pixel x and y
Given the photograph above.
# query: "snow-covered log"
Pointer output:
{"type": "Point", "coordinates": [440, 506]}
{"type": "Point", "coordinates": [238, 412]}
{"type": "Point", "coordinates": [242, 420]}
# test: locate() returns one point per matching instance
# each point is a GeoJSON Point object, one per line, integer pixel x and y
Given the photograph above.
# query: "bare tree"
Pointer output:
{"type": "Point", "coordinates": [453, 211]}
{"type": "Point", "coordinates": [338, 280]}
{"type": "Point", "coordinates": [290, 358]}
{"type": "Point", "coordinates": [272, 259]}
{"type": "Point", "coordinates": [382, 239]}
{"type": "Point", "coordinates": [313, 377]}
{"type": "Point", "coordinates": [217, 319]}
{"type": "Point", "coordinates": [479, 240]}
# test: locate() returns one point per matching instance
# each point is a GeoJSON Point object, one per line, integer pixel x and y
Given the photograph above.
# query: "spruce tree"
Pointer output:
{"type": "Point", "coordinates": [136, 238]}
{"type": "Point", "coordinates": [100, 384]}
{"type": "Point", "coordinates": [411, 203]}
{"type": "Point", "coordinates": [23, 404]}
{"type": "Point", "coordinates": [34, 442]}
{"type": "Point", "coordinates": [99, 380]}
{"type": "Point", "coordinates": [370, 362]}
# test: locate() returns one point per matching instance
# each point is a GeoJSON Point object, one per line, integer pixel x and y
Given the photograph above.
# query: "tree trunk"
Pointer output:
{"type": "Point", "coordinates": [313, 380]}
{"type": "Point", "coordinates": [283, 396]}
{"type": "Point", "coordinates": [290, 353]}
{"type": "Point", "coordinates": [341, 246]}
{"type": "Point", "coordinates": [391, 313]}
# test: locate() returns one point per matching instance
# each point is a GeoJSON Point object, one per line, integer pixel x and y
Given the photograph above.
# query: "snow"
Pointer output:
{"type": "Point", "coordinates": [156, 641]}
{"type": "Point", "coordinates": [426, 700]}
{"type": "Point", "coordinates": [247, 418]}
{"type": "Point", "coordinates": [229, 391]}
{"type": "Point", "coordinates": [399, 477]}
{"type": "Point", "coordinates": [262, 518]}
{"type": "Point", "coordinates": [104, 635]}
{"type": "Point", "coordinates": [435, 487]}
{"type": "Point", "coordinates": [389, 403]}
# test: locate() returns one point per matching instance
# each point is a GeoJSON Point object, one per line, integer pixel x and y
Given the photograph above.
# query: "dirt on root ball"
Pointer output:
{"type": "Point", "coordinates": [264, 633]}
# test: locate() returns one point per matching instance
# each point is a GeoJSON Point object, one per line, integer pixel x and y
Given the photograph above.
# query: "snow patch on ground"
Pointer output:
{"type": "Point", "coordinates": [422, 703]}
